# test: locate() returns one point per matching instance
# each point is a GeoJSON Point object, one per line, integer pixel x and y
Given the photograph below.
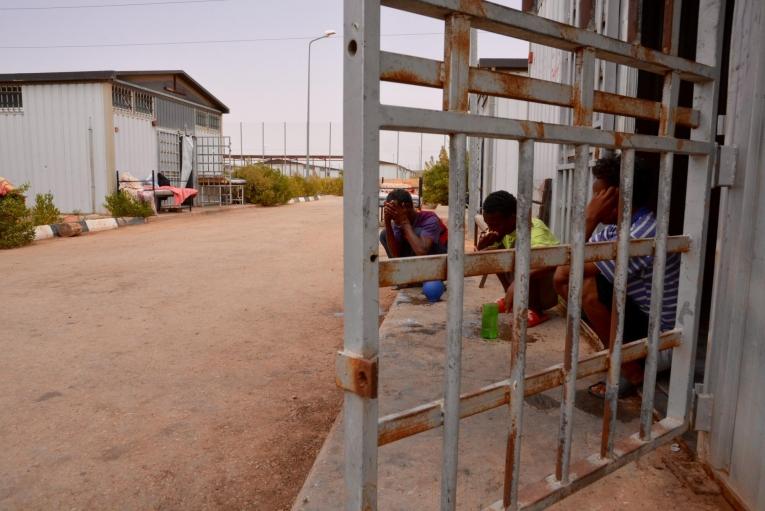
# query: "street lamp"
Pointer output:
{"type": "Point", "coordinates": [327, 33]}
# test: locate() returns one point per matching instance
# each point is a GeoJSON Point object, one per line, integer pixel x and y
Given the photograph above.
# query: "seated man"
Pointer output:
{"type": "Point", "coordinates": [598, 284]}
{"type": "Point", "coordinates": [409, 232]}
{"type": "Point", "coordinates": [499, 213]}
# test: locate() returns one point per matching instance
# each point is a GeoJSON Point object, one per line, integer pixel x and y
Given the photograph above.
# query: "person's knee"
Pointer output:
{"type": "Point", "coordinates": [384, 242]}
{"type": "Point", "coordinates": [590, 297]}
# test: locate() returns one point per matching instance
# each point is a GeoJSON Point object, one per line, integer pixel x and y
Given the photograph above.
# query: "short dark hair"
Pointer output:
{"type": "Point", "coordinates": [501, 202]}
{"type": "Point", "coordinates": [645, 177]}
{"type": "Point", "coordinates": [400, 195]}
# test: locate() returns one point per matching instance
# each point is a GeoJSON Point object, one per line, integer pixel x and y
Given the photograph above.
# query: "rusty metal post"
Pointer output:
{"type": "Point", "coordinates": [520, 320]}
{"type": "Point", "coordinates": [618, 304]}
{"type": "Point", "coordinates": [457, 57]}
{"type": "Point", "coordinates": [583, 87]}
{"type": "Point", "coordinates": [666, 129]}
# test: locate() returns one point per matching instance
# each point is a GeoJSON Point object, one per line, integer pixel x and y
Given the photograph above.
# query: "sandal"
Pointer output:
{"type": "Point", "coordinates": [626, 389]}
{"type": "Point", "coordinates": [536, 318]}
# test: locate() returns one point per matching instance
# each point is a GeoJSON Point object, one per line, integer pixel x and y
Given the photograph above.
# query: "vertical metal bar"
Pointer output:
{"type": "Point", "coordinates": [284, 163]}
{"type": "Point", "coordinates": [666, 128]}
{"type": "Point", "coordinates": [618, 304]}
{"type": "Point", "coordinates": [361, 142]}
{"type": "Point", "coordinates": [329, 154]}
{"type": "Point", "coordinates": [520, 319]}
{"type": "Point", "coordinates": [708, 51]}
{"type": "Point", "coordinates": [263, 139]}
{"type": "Point", "coordinates": [420, 167]}
{"type": "Point", "coordinates": [457, 53]}
{"type": "Point", "coordinates": [474, 170]}
{"type": "Point", "coordinates": [582, 100]}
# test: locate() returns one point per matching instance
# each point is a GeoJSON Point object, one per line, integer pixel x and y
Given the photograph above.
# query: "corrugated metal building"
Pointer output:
{"type": "Point", "coordinates": [69, 133]}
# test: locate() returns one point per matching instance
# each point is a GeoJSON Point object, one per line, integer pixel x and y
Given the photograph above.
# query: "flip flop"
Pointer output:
{"type": "Point", "coordinates": [535, 318]}
{"type": "Point", "coordinates": [626, 389]}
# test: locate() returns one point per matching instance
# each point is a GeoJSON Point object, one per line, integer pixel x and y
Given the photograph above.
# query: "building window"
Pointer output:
{"type": "Point", "coordinates": [122, 97]}
{"type": "Point", "coordinates": [208, 120]}
{"type": "Point", "coordinates": [144, 103]}
{"type": "Point", "coordinates": [10, 99]}
{"type": "Point", "coordinates": [214, 122]}
{"type": "Point", "coordinates": [202, 118]}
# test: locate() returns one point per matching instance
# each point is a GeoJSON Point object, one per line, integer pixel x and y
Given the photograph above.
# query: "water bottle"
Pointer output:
{"type": "Point", "coordinates": [489, 321]}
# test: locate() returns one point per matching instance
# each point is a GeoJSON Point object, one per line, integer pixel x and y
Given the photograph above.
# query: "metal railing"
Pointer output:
{"type": "Point", "coordinates": [364, 117]}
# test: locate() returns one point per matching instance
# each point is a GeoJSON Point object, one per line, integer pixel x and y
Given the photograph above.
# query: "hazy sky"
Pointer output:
{"type": "Point", "coordinates": [260, 81]}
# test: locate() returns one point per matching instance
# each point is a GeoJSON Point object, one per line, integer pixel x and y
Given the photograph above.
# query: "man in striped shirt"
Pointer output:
{"type": "Point", "coordinates": [597, 289]}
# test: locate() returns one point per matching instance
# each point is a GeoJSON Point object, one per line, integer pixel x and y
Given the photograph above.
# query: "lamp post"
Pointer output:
{"type": "Point", "coordinates": [327, 33]}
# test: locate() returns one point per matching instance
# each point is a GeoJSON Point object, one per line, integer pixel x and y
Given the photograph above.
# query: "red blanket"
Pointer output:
{"type": "Point", "coordinates": [180, 194]}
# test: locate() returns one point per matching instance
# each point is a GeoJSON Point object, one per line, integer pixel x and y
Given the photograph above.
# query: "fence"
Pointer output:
{"type": "Point", "coordinates": [357, 367]}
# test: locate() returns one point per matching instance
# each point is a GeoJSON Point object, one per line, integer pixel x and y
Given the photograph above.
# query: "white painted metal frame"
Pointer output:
{"type": "Point", "coordinates": [364, 117]}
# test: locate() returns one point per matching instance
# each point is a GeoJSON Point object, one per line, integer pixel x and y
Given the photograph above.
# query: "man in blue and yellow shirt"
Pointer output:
{"type": "Point", "coordinates": [499, 213]}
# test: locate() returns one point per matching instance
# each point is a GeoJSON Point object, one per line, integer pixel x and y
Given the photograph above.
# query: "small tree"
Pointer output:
{"type": "Point", "coordinates": [16, 227]}
{"type": "Point", "coordinates": [435, 179]}
{"type": "Point", "coordinates": [45, 211]}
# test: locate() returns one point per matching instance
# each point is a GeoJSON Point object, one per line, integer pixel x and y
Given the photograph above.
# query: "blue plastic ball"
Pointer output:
{"type": "Point", "coordinates": [433, 289]}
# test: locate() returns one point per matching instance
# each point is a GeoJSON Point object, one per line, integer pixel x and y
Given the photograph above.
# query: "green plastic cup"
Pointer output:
{"type": "Point", "coordinates": [490, 321]}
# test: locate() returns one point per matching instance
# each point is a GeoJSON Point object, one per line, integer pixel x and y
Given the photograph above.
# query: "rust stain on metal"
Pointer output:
{"type": "Point", "coordinates": [473, 7]}
{"type": "Point", "coordinates": [526, 127]}
{"type": "Point", "coordinates": [621, 139]}
{"type": "Point", "coordinates": [360, 376]}
{"type": "Point", "coordinates": [402, 76]}
{"type": "Point", "coordinates": [664, 115]}
{"type": "Point", "coordinates": [540, 130]}
{"type": "Point", "coordinates": [509, 463]}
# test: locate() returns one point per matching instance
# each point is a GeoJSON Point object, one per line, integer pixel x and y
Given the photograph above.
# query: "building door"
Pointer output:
{"type": "Point", "coordinates": [364, 67]}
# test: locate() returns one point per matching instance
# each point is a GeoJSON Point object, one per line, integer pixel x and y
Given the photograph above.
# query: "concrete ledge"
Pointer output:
{"type": "Point", "coordinates": [307, 198]}
{"type": "Point", "coordinates": [44, 232]}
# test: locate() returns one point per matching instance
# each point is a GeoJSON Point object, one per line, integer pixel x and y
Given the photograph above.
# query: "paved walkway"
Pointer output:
{"type": "Point", "coordinates": [412, 338]}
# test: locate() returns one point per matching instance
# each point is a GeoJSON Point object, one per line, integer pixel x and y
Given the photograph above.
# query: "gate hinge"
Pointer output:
{"type": "Point", "coordinates": [356, 374]}
{"type": "Point", "coordinates": [725, 166]}
{"type": "Point", "coordinates": [704, 406]}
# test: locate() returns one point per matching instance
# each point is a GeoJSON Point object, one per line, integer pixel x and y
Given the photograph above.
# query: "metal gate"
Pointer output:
{"type": "Point", "coordinates": [364, 66]}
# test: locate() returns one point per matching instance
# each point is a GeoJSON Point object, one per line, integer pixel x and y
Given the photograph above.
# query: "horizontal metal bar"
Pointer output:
{"type": "Point", "coordinates": [411, 270]}
{"type": "Point", "coordinates": [503, 20]}
{"type": "Point", "coordinates": [395, 67]}
{"type": "Point", "coordinates": [428, 416]}
{"type": "Point", "coordinates": [546, 492]}
{"type": "Point", "coordinates": [420, 120]}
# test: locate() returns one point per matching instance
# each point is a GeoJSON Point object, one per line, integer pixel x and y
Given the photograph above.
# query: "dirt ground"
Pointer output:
{"type": "Point", "coordinates": [183, 364]}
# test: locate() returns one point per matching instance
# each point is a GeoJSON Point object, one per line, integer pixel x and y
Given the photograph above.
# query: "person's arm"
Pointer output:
{"type": "Point", "coordinates": [420, 245]}
{"type": "Point", "coordinates": [601, 204]}
{"type": "Point", "coordinates": [390, 237]}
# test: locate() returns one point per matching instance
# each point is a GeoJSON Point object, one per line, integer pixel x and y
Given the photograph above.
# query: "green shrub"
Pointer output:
{"type": "Point", "coordinates": [265, 186]}
{"type": "Point", "coordinates": [268, 187]}
{"type": "Point", "coordinates": [435, 180]}
{"type": "Point", "coordinates": [298, 186]}
{"type": "Point", "coordinates": [16, 227]}
{"type": "Point", "coordinates": [121, 204]}
{"type": "Point", "coordinates": [331, 186]}
{"type": "Point", "coordinates": [45, 211]}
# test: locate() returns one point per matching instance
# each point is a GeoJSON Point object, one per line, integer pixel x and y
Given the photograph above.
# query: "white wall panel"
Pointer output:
{"type": "Point", "coordinates": [135, 144]}
{"type": "Point", "coordinates": [48, 144]}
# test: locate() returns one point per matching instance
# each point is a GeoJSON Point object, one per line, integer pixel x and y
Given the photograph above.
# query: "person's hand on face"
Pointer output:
{"type": "Point", "coordinates": [603, 206]}
{"type": "Point", "coordinates": [487, 239]}
{"type": "Point", "coordinates": [396, 212]}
